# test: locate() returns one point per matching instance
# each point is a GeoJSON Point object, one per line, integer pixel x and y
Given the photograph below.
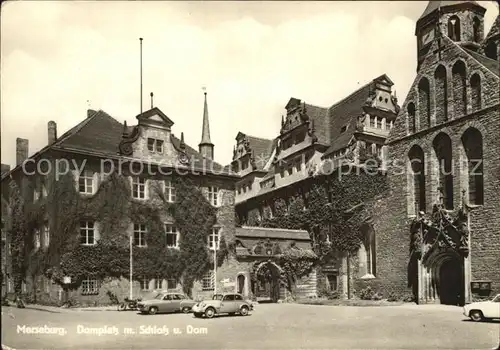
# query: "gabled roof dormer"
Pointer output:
{"type": "Point", "coordinates": [155, 118]}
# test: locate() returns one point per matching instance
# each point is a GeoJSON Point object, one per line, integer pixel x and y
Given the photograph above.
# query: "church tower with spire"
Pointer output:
{"type": "Point", "coordinates": [461, 21]}
{"type": "Point", "coordinates": [206, 147]}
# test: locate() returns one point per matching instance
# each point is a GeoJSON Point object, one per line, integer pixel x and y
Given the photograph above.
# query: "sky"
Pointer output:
{"type": "Point", "coordinates": [60, 58]}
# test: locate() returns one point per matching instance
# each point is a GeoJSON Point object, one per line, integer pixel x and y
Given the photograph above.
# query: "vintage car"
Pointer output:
{"type": "Point", "coordinates": [483, 310]}
{"type": "Point", "coordinates": [230, 303]}
{"type": "Point", "coordinates": [166, 303]}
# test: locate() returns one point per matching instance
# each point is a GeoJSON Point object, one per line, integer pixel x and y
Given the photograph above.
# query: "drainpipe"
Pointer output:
{"type": "Point", "coordinates": [348, 276]}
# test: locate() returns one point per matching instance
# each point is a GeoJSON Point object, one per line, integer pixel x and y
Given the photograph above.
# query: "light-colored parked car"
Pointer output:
{"type": "Point", "coordinates": [166, 303]}
{"type": "Point", "coordinates": [483, 310]}
{"type": "Point", "coordinates": [230, 303]}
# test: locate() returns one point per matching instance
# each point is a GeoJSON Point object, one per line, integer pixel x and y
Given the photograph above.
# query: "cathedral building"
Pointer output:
{"type": "Point", "coordinates": [437, 227]}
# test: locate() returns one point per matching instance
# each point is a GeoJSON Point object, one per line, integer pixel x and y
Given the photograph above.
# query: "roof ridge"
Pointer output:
{"type": "Point", "coordinates": [467, 53]}
{"type": "Point", "coordinates": [270, 228]}
{"type": "Point", "coordinates": [352, 94]}
{"type": "Point", "coordinates": [78, 127]}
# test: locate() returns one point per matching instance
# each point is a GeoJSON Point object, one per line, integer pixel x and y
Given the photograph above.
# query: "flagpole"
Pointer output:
{"type": "Point", "coordinates": [140, 39]}
{"type": "Point", "coordinates": [215, 264]}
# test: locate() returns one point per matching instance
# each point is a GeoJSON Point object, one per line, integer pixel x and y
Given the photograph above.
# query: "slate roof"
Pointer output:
{"type": "Point", "coordinates": [320, 117]}
{"type": "Point", "coordinates": [492, 65]}
{"type": "Point", "coordinates": [433, 6]}
{"type": "Point", "coordinates": [495, 29]}
{"type": "Point", "coordinates": [276, 233]}
{"type": "Point", "coordinates": [101, 134]}
{"type": "Point", "coordinates": [262, 149]}
{"type": "Point", "coordinates": [345, 113]}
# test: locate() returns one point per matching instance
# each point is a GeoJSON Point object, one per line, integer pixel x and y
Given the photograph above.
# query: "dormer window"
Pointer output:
{"type": "Point", "coordinates": [155, 145]}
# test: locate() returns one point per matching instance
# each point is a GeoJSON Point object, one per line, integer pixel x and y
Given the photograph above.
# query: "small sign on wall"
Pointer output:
{"type": "Point", "coordinates": [66, 280]}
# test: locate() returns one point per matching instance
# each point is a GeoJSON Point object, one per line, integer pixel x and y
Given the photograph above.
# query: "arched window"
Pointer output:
{"type": "Point", "coordinates": [472, 141]}
{"type": "Point", "coordinates": [459, 89]}
{"type": "Point", "coordinates": [424, 103]}
{"type": "Point", "coordinates": [441, 94]}
{"type": "Point", "coordinates": [475, 86]}
{"type": "Point", "coordinates": [442, 148]}
{"type": "Point", "coordinates": [411, 118]}
{"type": "Point", "coordinates": [368, 251]}
{"type": "Point", "coordinates": [454, 28]}
{"type": "Point", "coordinates": [491, 51]}
{"type": "Point", "coordinates": [476, 29]}
{"type": "Point", "coordinates": [417, 161]}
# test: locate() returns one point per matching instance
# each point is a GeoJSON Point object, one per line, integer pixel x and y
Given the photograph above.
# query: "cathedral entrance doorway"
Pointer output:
{"type": "Point", "coordinates": [451, 282]}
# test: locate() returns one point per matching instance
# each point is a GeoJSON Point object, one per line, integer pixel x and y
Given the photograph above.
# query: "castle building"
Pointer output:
{"type": "Point", "coordinates": [433, 231]}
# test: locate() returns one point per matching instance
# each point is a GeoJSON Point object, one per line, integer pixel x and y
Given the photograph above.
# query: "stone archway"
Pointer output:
{"type": "Point", "coordinates": [447, 277]}
{"type": "Point", "coordinates": [267, 276]}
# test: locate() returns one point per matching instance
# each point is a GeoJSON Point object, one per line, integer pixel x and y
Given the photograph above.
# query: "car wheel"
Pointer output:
{"type": "Point", "coordinates": [476, 315]}
{"type": "Point", "coordinates": [122, 307]}
{"type": "Point", "coordinates": [197, 314]}
{"type": "Point", "coordinates": [210, 312]}
{"type": "Point", "coordinates": [153, 310]}
{"type": "Point", "coordinates": [186, 309]}
{"type": "Point", "coordinates": [244, 311]}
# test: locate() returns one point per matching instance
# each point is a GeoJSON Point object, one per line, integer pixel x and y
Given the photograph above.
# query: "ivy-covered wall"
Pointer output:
{"type": "Point", "coordinates": [114, 212]}
{"type": "Point", "coordinates": [318, 205]}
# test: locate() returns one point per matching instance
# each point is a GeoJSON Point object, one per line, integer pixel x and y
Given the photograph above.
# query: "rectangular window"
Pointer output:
{"type": "Point", "coordinates": [138, 188]}
{"type": "Point", "coordinates": [214, 239]}
{"type": "Point", "coordinates": [87, 233]}
{"type": "Point", "coordinates": [282, 172]}
{"type": "Point", "coordinates": [36, 195]}
{"type": "Point", "coordinates": [37, 239]}
{"type": "Point", "coordinates": [46, 236]}
{"type": "Point", "coordinates": [90, 286]}
{"type": "Point", "coordinates": [158, 283]}
{"type": "Point", "coordinates": [171, 236]}
{"type": "Point", "coordinates": [207, 283]}
{"type": "Point", "coordinates": [140, 231]}
{"type": "Point", "coordinates": [145, 284]}
{"type": "Point", "coordinates": [44, 191]}
{"type": "Point", "coordinates": [159, 146]}
{"type": "Point", "coordinates": [213, 195]}
{"type": "Point", "coordinates": [379, 123]}
{"type": "Point", "coordinates": [151, 144]}
{"type": "Point", "coordinates": [86, 182]}
{"type": "Point", "coordinates": [171, 283]}
{"type": "Point", "coordinates": [169, 191]}
{"type": "Point", "coordinates": [155, 145]}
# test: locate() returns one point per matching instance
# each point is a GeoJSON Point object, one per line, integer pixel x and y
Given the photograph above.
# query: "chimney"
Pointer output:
{"type": "Point", "coordinates": [21, 150]}
{"type": "Point", "coordinates": [52, 131]}
{"type": "Point", "coordinates": [5, 168]}
{"type": "Point", "coordinates": [90, 113]}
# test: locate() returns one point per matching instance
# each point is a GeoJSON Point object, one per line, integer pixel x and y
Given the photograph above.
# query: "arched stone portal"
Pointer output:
{"type": "Point", "coordinates": [267, 276]}
{"type": "Point", "coordinates": [445, 282]}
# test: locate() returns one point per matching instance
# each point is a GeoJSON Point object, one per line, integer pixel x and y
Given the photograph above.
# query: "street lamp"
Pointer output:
{"type": "Point", "coordinates": [131, 262]}
{"type": "Point", "coordinates": [215, 246]}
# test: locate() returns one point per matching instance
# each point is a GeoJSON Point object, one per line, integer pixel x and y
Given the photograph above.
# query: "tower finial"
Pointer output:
{"type": "Point", "coordinates": [182, 144]}
{"type": "Point", "coordinates": [206, 146]}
